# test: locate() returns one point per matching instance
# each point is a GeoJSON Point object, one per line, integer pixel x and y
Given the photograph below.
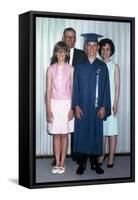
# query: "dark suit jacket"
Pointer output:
{"type": "Point", "coordinates": [78, 57]}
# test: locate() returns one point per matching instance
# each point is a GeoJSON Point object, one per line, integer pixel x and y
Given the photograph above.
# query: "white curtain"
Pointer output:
{"type": "Point", "coordinates": [48, 32]}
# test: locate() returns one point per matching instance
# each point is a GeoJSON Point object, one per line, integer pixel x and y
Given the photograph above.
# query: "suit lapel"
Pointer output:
{"type": "Point", "coordinates": [74, 56]}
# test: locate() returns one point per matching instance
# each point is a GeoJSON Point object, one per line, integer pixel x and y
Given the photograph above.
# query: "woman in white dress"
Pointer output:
{"type": "Point", "coordinates": [106, 50]}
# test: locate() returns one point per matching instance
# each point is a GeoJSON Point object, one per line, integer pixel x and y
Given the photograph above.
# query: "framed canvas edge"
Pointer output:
{"type": "Point", "coordinates": [29, 182]}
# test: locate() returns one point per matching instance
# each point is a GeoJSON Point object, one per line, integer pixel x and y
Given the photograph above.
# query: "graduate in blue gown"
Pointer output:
{"type": "Point", "coordinates": [91, 101]}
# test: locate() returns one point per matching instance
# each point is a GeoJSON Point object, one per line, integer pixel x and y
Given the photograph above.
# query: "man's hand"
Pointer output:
{"type": "Point", "coordinates": [101, 113]}
{"type": "Point", "coordinates": [78, 112]}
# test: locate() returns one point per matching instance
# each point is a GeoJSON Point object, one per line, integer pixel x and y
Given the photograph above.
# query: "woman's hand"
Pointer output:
{"type": "Point", "coordinates": [101, 113]}
{"type": "Point", "coordinates": [115, 110]}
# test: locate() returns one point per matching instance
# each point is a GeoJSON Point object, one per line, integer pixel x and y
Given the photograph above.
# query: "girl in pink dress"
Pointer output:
{"type": "Point", "coordinates": [58, 98]}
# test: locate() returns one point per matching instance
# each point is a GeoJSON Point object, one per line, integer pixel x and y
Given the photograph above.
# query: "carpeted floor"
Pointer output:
{"type": "Point", "coordinates": [121, 169]}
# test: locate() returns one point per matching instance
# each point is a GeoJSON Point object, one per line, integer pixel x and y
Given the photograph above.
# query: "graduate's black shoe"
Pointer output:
{"type": "Point", "coordinates": [93, 166]}
{"type": "Point", "coordinates": [98, 169]}
{"type": "Point", "coordinates": [80, 170]}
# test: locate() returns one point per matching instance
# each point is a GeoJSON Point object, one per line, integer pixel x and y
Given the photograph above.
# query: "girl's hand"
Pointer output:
{"type": "Point", "coordinates": [70, 115]}
{"type": "Point", "coordinates": [50, 116]}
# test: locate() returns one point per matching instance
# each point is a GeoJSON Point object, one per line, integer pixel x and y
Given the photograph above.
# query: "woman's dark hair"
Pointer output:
{"type": "Point", "coordinates": [60, 46]}
{"type": "Point", "coordinates": [105, 41]}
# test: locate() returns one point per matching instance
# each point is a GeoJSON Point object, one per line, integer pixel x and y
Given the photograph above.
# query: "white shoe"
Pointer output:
{"type": "Point", "coordinates": [55, 170]}
{"type": "Point", "coordinates": [61, 170]}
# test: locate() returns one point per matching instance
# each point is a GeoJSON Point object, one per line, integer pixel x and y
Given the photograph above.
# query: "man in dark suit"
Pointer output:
{"type": "Point", "coordinates": [76, 57]}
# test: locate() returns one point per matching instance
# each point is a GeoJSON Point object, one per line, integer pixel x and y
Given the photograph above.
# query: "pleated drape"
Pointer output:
{"type": "Point", "coordinates": [48, 32]}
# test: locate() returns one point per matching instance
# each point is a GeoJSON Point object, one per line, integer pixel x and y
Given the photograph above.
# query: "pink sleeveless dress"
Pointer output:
{"type": "Point", "coordinates": [61, 100]}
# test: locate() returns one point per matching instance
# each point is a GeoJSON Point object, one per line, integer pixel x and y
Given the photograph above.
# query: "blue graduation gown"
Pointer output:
{"type": "Point", "coordinates": [91, 90]}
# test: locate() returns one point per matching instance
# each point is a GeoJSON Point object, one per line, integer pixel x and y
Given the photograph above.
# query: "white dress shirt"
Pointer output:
{"type": "Point", "coordinates": [71, 55]}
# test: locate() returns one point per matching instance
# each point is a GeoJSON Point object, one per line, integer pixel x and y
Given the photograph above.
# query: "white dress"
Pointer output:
{"type": "Point", "coordinates": [110, 126]}
{"type": "Point", "coordinates": [60, 123]}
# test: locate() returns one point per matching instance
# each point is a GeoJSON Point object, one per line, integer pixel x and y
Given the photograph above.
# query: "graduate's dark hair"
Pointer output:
{"type": "Point", "coordinates": [105, 41]}
{"type": "Point", "coordinates": [69, 29]}
{"type": "Point", "coordinates": [60, 46]}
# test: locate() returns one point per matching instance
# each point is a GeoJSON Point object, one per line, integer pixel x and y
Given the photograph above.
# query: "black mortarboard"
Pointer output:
{"type": "Point", "coordinates": [91, 37]}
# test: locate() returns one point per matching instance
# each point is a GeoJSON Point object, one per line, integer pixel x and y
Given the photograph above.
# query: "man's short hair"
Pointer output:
{"type": "Point", "coordinates": [69, 29]}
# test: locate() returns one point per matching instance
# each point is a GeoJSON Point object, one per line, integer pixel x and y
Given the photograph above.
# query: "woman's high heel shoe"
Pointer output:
{"type": "Point", "coordinates": [110, 165]}
{"type": "Point", "coordinates": [100, 163]}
